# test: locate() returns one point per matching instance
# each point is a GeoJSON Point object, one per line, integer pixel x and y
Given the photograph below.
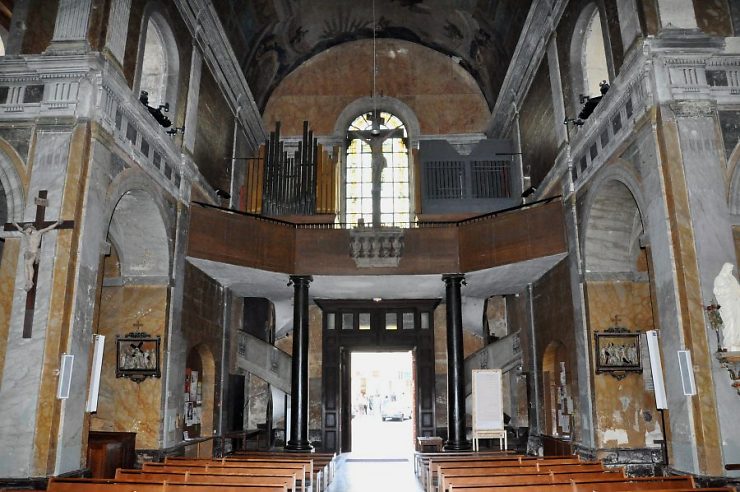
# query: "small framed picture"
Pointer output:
{"type": "Point", "coordinates": [137, 356]}
{"type": "Point", "coordinates": [618, 352]}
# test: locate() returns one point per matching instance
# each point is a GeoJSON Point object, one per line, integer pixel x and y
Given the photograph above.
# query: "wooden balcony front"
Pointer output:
{"type": "Point", "coordinates": [511, 236]}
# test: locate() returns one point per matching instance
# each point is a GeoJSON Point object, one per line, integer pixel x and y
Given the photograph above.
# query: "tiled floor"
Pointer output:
{"type": "Point", "coordinates": [372, 475]}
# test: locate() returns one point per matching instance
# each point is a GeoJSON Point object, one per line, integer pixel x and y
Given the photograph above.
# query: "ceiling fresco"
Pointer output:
{"type": "Point", "coordinates": [272, 37]}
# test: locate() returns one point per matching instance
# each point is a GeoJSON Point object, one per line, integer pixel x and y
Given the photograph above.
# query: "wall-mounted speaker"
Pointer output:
{"type": "Point", "coordinates": [95, 371]}
{"type": "Point", "coordinates": [656, 369]}
{"type": "Point", "coordinates": [65, 376]}
{"type": "Point", "coordinates": [687, 372]}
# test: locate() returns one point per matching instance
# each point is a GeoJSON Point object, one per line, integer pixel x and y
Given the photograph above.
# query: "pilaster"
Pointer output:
{"type": "Point", "coordinates": [70, 30]}
{"type": "Point", "coordinates": [115, 40]}
{"type": "Point", "coordinates": [688, 163]}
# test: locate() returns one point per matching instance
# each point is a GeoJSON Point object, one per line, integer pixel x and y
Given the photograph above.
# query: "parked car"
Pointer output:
{"type": "Point", "coordinates": [395, 410]}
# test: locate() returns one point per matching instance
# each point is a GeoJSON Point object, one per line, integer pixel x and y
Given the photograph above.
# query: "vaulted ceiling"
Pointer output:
{"type": "Point", "coordinates": [272, 37]}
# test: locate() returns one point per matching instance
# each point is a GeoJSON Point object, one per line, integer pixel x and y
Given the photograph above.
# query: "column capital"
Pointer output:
{"type": "Point", "coordinates": [300, 280]}
{"type": "Point", "coordinates": [453, 277]}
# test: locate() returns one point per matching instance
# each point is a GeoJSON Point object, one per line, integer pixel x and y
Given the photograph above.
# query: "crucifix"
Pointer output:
{"type": "Point", "coordinates": [32, 234]}
{"type": "Point", "coordinates": [375, 137]}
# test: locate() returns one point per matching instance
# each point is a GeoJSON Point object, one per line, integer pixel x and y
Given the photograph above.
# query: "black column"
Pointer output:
{"type": "Point", "coordinates": [299, 369]}
{"type": "Point", "coordinates": [456, 437]}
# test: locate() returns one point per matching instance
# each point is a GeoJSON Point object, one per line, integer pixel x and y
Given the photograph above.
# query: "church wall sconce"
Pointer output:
{"type": "Point", "coordinates": [617, 352]}
{"type": "Point", "coordinates": [137, 356]}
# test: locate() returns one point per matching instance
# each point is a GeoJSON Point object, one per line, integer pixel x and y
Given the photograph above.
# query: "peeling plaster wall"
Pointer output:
{"type": "Point", "coordinates": [625, 411]}
{"type": "Point", "coordinates": [125, 406]}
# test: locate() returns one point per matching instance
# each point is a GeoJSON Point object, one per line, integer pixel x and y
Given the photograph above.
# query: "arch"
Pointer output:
{"type": "Point", "coordinates": [381, 104]}
{"type": "Point", "coordinates": [554, 361]}
{"type": "Point", "coordinates": [588, 43]}
{"type": "Point", "coordinates": [202, 357]}
{"type": "Point", "coordinates": [139, 228]}
{"type": "Point", "coordinates": [613, 224]}
{"type": "Point", "coordinates": [13, 180]}
{"type": "Point", "coordinates": [160, 37]}
{"type": "Point", "coordinates": [733, 191]}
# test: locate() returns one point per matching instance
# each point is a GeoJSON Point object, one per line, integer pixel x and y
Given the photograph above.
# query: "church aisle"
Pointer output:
{"type": "Point", "coordinates": [371, 475]}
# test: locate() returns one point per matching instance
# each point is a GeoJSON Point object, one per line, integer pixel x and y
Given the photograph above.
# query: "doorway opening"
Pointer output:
{"type": "Point", "coordinates": [382, 393]}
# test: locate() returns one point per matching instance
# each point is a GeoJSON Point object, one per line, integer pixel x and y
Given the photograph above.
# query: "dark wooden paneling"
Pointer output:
{"type": "Point", "coordinates": [431, 250]}
{"type": "Point", "coordinates": [107, 451]}
{"type": "Point", "coordinates": [499, 240]}
{"type": "Point", "coordinates": [518, 236]}
{"type": "Point", "coordinates": [240, 240]}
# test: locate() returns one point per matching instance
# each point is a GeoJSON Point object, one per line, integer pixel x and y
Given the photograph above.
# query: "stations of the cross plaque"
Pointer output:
{"type": "Point", "coordinates": [32, 234]}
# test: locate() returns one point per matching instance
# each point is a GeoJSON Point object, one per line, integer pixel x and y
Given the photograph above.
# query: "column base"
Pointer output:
{"type": "Point", "coordinates": [461, 445]}
{"type": "Point", "coordinates": [299, 447]}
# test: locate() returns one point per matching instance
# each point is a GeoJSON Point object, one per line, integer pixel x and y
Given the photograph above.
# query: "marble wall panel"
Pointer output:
{"type": "Point", "coordinates": [442, 94]}
{"type": "Point", "coordinates": [8, 267]}
{"type": "Point", "coordinates": [626, 416]}
{"type": "Point", "coordinates": [125, 406]}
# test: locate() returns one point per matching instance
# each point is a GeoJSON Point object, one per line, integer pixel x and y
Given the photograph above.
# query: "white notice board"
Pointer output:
{"type": "Point", "coordinates": [488, 403]}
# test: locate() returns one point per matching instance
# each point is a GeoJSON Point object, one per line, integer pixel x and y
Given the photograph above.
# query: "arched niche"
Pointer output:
{"type": "Point", "coordinates": [133, 296]}
{"type": "Point", "coordinates": [618, 296]}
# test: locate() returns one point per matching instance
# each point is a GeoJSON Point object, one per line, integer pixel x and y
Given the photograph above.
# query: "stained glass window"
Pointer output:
{"type": "Point", "coordinates": [378, 137]}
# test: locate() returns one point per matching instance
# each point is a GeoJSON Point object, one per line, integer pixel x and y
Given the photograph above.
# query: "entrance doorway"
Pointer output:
{"type": "Point", "coordinates": [382, 391]}
{"type": "Point", "coordinates": [351, 326]}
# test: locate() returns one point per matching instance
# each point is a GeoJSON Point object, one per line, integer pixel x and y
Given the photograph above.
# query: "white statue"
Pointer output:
{"type": "Point", "coordinates": [727, 293]}
{"type": "Point", "coordinates": [31, 243]}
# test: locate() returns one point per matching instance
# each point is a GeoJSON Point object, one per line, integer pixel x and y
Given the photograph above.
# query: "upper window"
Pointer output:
{"type": "Point", "coordinates": [154, 66]}
{"type": "Point", "coordinates": [159, 59]}
{"type": "Point", "coordinates": [595, 68]}
{"type": "Point", "coordinates": [376, 185]}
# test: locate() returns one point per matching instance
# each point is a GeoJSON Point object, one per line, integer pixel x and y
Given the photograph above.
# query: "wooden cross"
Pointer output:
{"type": "Point", "coordinates": [138, 325]}
{"type": "Point", "coordinates": [41, 203]}
{"type": "Point", "coordinates": [616, 319]}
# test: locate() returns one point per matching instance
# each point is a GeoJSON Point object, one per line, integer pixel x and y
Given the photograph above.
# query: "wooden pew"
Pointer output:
{"type": "Point", "coordinates": [490, 476]}
{"type": "Point", "coordinates": [422, 459]}
{"type": "Point", "coordinates": [300, 469]}
{"type": "Point", "coordinates": [109, 485]}
{"type": "Point", "coordinates": [606, 484]}
{"type": "Point", "coordinates": [287, 479]}
{"type": "Point", "coordinates": [211, 464]}
{"type": "Point", "coordinates": [324, 461]}
{"type": "Point", "coordinates": [524, 479]}
{"type": "Point", "coordinates": [489, 462]}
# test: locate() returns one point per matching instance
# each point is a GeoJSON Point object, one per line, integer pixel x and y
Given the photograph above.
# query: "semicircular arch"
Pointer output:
{"type": "Point", "coordinates": [613, 223]}
{"type": "Point", "coordinates": [139, 226]}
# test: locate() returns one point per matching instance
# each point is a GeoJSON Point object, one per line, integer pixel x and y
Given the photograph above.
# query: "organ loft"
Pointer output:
{"type": "Point", "coordinates": [404, 245]}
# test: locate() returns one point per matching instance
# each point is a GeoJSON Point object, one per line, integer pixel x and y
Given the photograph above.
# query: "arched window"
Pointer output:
{"type": "Point", "coordinates": [154, 66]}
{"type": "Point", "coordinates": [376, 186]}
{"type": "Point", "coordinates": [595, 69]}
{"type": "Point", "coordinates": [159, 61]}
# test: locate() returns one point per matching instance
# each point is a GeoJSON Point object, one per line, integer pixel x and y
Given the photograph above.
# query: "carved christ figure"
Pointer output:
{"type": "Point", "coordinates": [378, 164]}
{"type": "Point", "coordinates": [31, 243]}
